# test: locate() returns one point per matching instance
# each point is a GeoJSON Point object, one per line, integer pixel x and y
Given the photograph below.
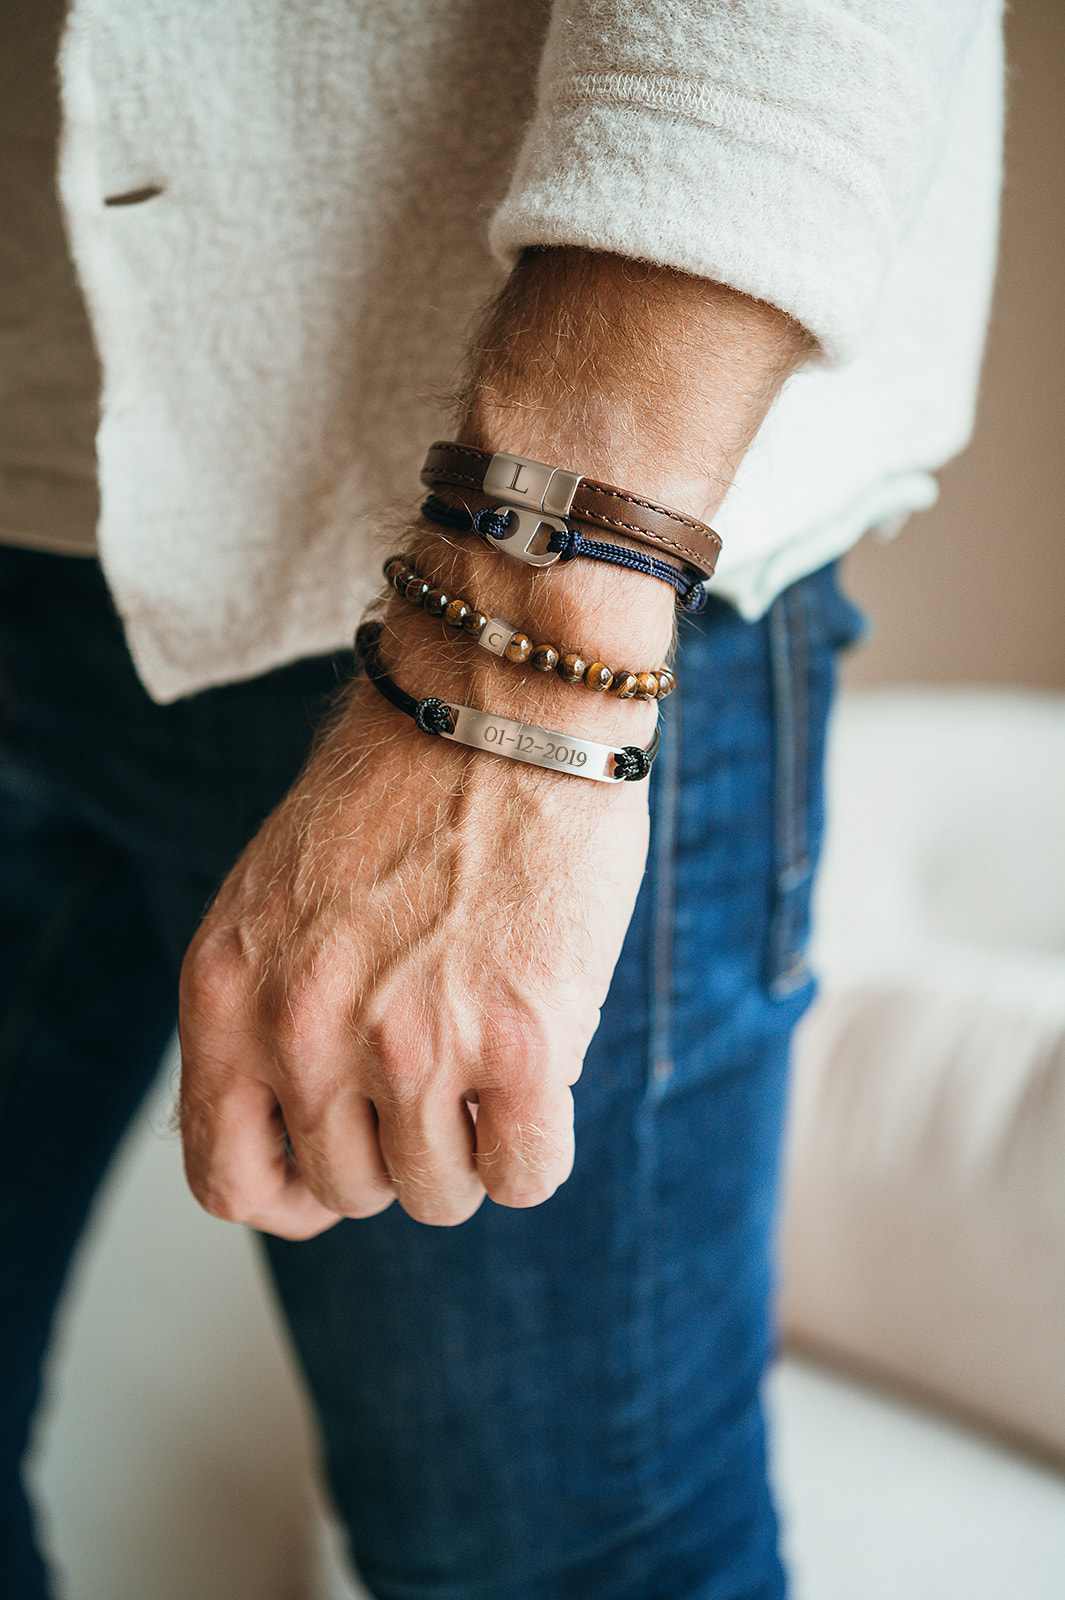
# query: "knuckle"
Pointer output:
{"type": "Point", "coordinates": [294, 1231]}
{"type": "Point", "coordinates": [303, 1014]}
{"type": "Point", "coordinates": [398, 1063]}
{"type": "Point", "coordinates": [442, 1196]}
{"type": "Point", "coordinates": [514, 1044]}
{"type": "Point", "coordinates": [368, 1205]}
{"type": "Point", "coordinates": [211, 983]}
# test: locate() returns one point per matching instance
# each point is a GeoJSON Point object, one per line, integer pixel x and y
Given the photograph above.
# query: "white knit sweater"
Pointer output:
{"type": "Point", "coordinates": [342, 183]}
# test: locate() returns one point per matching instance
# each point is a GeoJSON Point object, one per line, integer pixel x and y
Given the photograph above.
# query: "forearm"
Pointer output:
{"type": "Point", "coordinates": [642, 371]}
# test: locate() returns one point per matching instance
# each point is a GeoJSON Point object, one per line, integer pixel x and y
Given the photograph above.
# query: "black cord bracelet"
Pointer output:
{"type": "Point", "coordinates": [504, 736]}
{"type": "Point", "coordinates": [570, 543]}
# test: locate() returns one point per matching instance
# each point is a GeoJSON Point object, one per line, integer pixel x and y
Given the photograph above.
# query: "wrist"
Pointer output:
{"type": "Point", "coordinates": [629, 373]}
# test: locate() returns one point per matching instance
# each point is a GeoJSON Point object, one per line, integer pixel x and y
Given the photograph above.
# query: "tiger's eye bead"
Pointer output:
{"type": "Point", "coordinates": [392, 566]}
{"type": "Point", "coordinates": [474, 622]}
{"type": "Point", "coordinates": [436, 602]}
{"type": "Point", "coordinates": [624, 684]}
{"type": "Point", "coordinates": [416, 589]}
{"type": "Point", "coordinates": [667, 681]}
{"type": "Point", "coordinates": [519, 649]}
{"type": "Point", "coordinates": [571, 668]}
{"type": "Point", "coordinates": [598, 676]}
{"type": "Point", "coordinates": [401, 577]}
{"type": "Point", "coordinates": [544, 657]}
{"type": "Point", "coordinates": [456, 613]}
{"type": "Point", "coordinates": [647, 685]}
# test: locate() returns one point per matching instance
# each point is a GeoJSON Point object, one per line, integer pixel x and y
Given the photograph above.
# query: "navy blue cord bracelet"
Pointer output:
{"type": "Point", "coordinates": [569, 544]}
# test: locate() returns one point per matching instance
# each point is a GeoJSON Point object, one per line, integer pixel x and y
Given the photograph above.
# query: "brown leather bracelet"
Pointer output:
{"type": "Point", "coordinates": [532, 485]}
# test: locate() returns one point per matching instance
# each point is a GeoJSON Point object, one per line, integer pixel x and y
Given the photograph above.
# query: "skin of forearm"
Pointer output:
{"type": "Point", "coordinates": [647, 373]}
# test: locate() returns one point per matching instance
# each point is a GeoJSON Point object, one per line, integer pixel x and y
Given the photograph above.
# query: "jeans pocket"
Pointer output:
{"type": "Point", "coordinates": [806, 627]}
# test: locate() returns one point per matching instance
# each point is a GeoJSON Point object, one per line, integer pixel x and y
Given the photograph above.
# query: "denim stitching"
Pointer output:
{"type": "Point", "coordinates": [788, 628]}
{"type": "Point", "coordinates": [665, 821]}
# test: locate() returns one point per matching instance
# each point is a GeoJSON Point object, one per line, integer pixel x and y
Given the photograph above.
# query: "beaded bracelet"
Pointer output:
{"type": "Point", "coordinates": [503, 639]}
{"type": "Point", "coordinates": [565, 544]}
{"type": "Point", "coordinates": [504, 736]}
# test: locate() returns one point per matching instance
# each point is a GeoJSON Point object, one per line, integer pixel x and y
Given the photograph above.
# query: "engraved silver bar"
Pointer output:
{"type": "Point", "coordinates": [538, 747]}
{"type": "Point", "coordinates": [517, 481]}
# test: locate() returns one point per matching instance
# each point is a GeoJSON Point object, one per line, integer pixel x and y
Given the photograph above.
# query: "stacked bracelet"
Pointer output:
{"type": "Point", "coordinates": [565, 544]}
{"type": "Point", "coordinates": [551, 493]}
{"type": "Point", "coordinates": [503, 639]}
{"type": "Point", "coordinates": [518, 741]}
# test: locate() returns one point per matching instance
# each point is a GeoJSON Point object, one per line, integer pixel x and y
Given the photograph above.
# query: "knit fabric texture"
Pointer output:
{"type": "Point", "coordinates": [330, 189]}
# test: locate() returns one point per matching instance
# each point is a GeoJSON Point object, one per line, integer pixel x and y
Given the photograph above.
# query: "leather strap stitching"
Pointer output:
{"type": "Point", "coordinates": [704, 560]}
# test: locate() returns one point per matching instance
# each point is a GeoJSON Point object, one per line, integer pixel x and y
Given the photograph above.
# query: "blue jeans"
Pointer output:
{"type": "Point", "coordinates": [546, 1403]}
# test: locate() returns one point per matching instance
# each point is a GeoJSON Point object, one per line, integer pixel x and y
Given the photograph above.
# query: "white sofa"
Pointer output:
{"type": "Point", "coordinates": [920, 1433]}
{"type": "Point", "coordinates": [924, 1233]}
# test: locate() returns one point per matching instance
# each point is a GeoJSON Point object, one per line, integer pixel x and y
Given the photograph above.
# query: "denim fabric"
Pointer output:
{"type": "Point", "coordinates": [546, 1403]}
{"type": "Point", "coordinates": [117, 820]}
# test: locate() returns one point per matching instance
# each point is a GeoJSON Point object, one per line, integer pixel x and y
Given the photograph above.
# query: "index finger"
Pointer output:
{"type": "Point", "coordinates": [237, 1159]}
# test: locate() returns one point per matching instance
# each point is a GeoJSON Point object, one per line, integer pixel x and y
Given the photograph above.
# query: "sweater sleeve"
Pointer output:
{"type": "Point", "coordinates": [780, 146]}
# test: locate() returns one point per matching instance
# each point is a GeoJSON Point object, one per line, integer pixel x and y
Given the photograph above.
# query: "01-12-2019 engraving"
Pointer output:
{"type": "Point", "coordinates": [525, 742]}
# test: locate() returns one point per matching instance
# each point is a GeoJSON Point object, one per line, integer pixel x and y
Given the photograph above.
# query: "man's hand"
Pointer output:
{"type": "Point", "coordinates": [393, 994]}
{"type": "Point", "coordinates": [418, 931]}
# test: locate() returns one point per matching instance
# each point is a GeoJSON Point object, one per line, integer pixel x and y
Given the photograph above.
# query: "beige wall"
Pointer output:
{"type": "Point", "coordinates": [974, 590]}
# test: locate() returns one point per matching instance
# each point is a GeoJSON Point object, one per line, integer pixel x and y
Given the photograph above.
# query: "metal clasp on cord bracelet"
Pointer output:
{"type": "Point", "coordinates": [532, 496]}
{"type": "Point", "coordinates": [522, 528]}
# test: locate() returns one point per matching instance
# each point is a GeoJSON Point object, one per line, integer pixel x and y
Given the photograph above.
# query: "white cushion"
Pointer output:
{"type": "Point", "coordinates": [925, 1218]}
{"type": "Point", "coordinates": [925, 1222]}
{"type": "Point", "coordinates": [882, 1501]}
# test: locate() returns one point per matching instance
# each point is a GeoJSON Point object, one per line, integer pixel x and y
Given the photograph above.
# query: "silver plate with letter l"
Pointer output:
{"type": "Point", "coordinates": [517, 481]}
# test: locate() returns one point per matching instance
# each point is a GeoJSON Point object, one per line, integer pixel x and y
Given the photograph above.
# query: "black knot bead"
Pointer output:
{"type": "Point", "coordinates": [492, 524]}
{"type": "Point", "coordinates": [631, 764]}
{"type": "Point", "coordinates": [433, 716]}
{"type": "Point", "coordinates": [564, 544]}
{"type": "Point", "coordinates": [696, 600]}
